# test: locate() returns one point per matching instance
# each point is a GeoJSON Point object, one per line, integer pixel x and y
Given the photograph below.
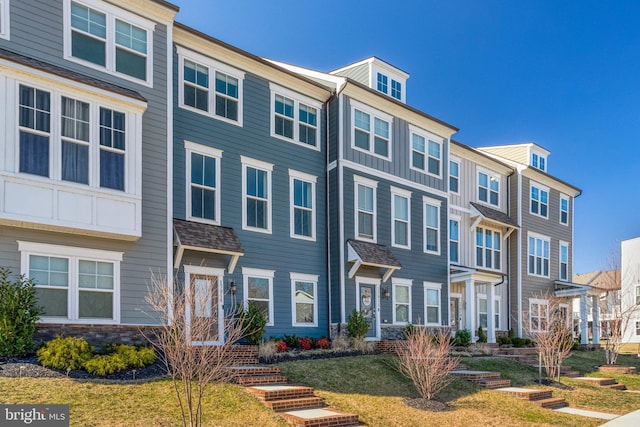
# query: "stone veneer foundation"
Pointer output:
{"type": "Point", "coordinates": [96, 335]}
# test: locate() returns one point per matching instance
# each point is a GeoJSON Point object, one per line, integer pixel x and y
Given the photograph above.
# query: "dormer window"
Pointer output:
{"type": "Point", "coordinates": [396, 90]}
{"type": "Point", "coordinates": [382, 83]}
{"type": "Point", "coordinates": [539, 161]}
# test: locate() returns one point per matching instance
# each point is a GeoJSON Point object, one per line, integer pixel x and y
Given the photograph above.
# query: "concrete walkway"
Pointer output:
{"type": "Point", "coordinates": [586, 413]}
{"type": "Point", "coordinates": [632, 419]}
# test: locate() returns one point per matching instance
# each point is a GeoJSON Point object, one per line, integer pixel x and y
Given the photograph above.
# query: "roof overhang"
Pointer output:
{"type": "Point", "coordinates": [462, 274]}
{"type": "Point", "coordinates": [371, 255]}
{"type": "Point", "coordinates": [198, 237]}
{"type": "Point", "coordinates": [569, 289]}
{"type": "Point", "coordinates": [493, 217]}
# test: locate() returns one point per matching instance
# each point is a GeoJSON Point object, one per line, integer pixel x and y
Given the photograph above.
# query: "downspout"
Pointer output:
{"type": "Point", "coordinates": [519, 255]}
{"type": "Point", "coordinates": [327, 215]}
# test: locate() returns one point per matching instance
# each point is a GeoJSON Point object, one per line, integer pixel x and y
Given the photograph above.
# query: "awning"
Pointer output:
{"type": "Point", "coordinates": [371, 255]}
{"type": "Point", "coordinates": [481, 212]}
{"type": "Point", "coordinates": [570, 289]}
{"type": "Point", "coordinates": [206, 238]}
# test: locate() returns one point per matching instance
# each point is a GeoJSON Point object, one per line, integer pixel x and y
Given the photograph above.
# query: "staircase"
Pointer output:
{"type": "Point", "coordinates": [542, 398]}
{"type": "Point", "coordinates": [602, 382]}
{"type": "Point", "coordinates": [485, 379]}
{"type": "Point", "coordinates": [297, 404]}
{"type": "Point", "coordinates": [529, 356]}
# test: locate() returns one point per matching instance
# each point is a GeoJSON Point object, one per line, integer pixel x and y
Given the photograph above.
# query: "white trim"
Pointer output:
{"type": "Point", "coordinates": [519, 257]}
{"type": "Point", "coordinates": [373, 114]}
{"type": "Point", "coordinates": [260, 274]}
{"type": "Point", "coordinates": [539, 302]}
{"type": "Point", "coordinates": [497, 311]}
{"type": "Point", "coordinates": [428, 201]}
{"type": "Point", "coordinates": [308, 278]}
{"type": "Point", "coordinates": [262, 166]}
{"type": "Point", "coordinates": [428, 137]}
{"type": "Point", "coordinates": [373, 185]}
{"type": "Point", "coordinates": [490, 174]}
{"type": "Point", "coordinates": [192, 147]}
{"type": "Point", "coordinates": [484, 248]}
{"type": "Point", "coordinates": [218, 273]}
{"type": "Point", "coordinates": [486, 299]}
{"type": "Point", "coordinates": [75, 254]}
{"type": "Point", "coordinates": [376, 284]}
{"type": "Point", "coordinates": [457, 219]}
{"type": "Point", "coordinates": [457, 162]}
{"type": "Point", "coordinates": [297, 99]}
{"type": "Point", "coordinates": [169, 166]}
{"type": "Point", "coordinates": [541, 189]}
{"type": "Point", "coordinates": [407, 283]}
{"type": "Point", "coordinates": [542, 155]}
{"type": "Point", "coordinates": [341, 209]}
{"type": "Point", "coordinates": [562, 244]}
{"type": "Point", "coordinates": [212, 66]}
{"type": "Point", "coordinates": [543, 239]}
{"type": "Point", "coordinates": [432, 286]}
{"type": "Point", "coordinates": [5, 19]}
{"type": "Point", "coordinates": [310, 179]}
{"type": "Point", "coordinates": [395, 191]}
{"type": "Point", "coordinates": [568, 199]}
{"type": "Point", "coordinates": [112, 13]}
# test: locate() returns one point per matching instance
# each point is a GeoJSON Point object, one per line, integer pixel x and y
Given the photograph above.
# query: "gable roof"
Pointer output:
{"type": "Point", "coordinates": [604, 280]}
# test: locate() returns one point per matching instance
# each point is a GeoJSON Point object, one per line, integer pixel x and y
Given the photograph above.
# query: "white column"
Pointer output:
{"type": "Point", "coordinates": [584, 322]}
{"type": "Point", "coordinates": [470, 307]}
{"type": "Point", "coordinates": [491, 327]}
{"type": "Point", "coordinates": [595, 315]}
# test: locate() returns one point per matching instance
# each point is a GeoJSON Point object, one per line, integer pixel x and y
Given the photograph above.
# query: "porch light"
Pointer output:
{"type": "Point", "coordinates": [385, 293]}
{"type": "Point", "coordinates": [233, 288]}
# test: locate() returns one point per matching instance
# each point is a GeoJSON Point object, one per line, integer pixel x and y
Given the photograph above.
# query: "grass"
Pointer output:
{"type": "Point", "coordinates": [369, 386]}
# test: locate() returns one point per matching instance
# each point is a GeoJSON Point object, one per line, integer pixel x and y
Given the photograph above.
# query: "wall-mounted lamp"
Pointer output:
{"type": "Point", "coordinates": [385, 293]}
{"type": "Point", "coordinates": [233, 288]}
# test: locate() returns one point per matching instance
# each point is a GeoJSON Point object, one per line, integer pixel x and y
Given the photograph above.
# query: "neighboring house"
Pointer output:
{"type": "Point", "coordinates": [605, 290]}
{"type": "Point", "coordinates": [541, 253]}
{"type": "Point", "coordinates": [630, 272]}
{"type": "Point", "coordinates": [83, 158]}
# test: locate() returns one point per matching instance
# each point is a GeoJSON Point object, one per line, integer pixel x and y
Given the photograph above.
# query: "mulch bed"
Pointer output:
{"type": "Point", "coordinates": [427, 405]}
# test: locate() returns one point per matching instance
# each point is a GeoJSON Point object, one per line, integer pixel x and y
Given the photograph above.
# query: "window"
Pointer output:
{"type": "Point", "coordinates": [4, 19]}
{"type": "Point", "coordinates": [488, 253]}
{"type": "Point", "coordinates": [302, 189]}
{"type": "Point", "coordinates": [371, 131]}
{"type": "Point", "coordinates": [396, 90]}
{"type": "Point", "coordinates": [538, 161]}
{"type": "Point", "coordinates": [258, 288]}
{"type": "Point", "coordinates": [488, 188]}
{"type": "Point", "coordinates": [431, 225]}
{"type": "Point", "coordinates": [304, 299]}
{"type": "Point", "coordinates": [564, 210]}
{"type": "Point", "coordinates": [383, 83]}
{"type": "Point", "coordinates": [454, 240]}
{"type": "Point", "coordinates": [432, 303]}
{"type": "Point", "coordinates": [256, 188]}
{"type": "Point", "coordinates": [497, 302]}
{"type": "Point", "coordinates": [538, 316]}
{"type": "Point", "coordinates": [365, 202]}
{"type": "Point", "coordinates": [482, 311]}
{"type": "Point", "coordinates": [538, 256]}
{"type": "Point", "coordinates": [401, 301]}
{"type": "Point", "coordinates": [539, 200]}
{"type": "Point", "coordinates": [400, 214]}
{"type": "Point", "coordinates": [74, 284]}
{"type": "Point", "coordinates": [75, 140]}
{"type": "Point", "coordinates": [426, 152]}
{"type": "Point", "coordinates": [564, 261]}
{"type": "Point", "coordinates": [203, 182]}
{"type": "Point", "coordinates": [294, 117]}
{"type": "Point", "coordinates": [637, 328]}
{"type": "Point", "coordinates": [454, 176]}
{"type": "Point", "coordinates": [112, 149]}
{"type": "Point", "coordinates": [209, 87]}
{"type": "Point", "coordinates": [35, 129]}
{"type": "Point", "coordinates": [108, 38]}
{"type": "Point", "coordinates": [638, 295]}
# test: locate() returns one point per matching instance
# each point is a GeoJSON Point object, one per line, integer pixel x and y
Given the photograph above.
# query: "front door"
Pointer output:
{"type": "Point", "coordinates": [369, 309]}
{"type": "Point", "coordinates": [206, 321]}
{"type": "Point", "coordinates": [454, 313]}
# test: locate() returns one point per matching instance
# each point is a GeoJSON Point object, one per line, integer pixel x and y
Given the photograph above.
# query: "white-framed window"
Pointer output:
{"type": "Point", "coordinates": [304, 299]}
{"type": "Point", "coordinates": [564, 261]}
{"type": "Point", "coordinates": [432, 311]}
{"type": "Point", "coordinates": [539, 161]}
{"type": "Point", "coordinates": [538, 314]}
{"type": "Point", "coordinates": [365, 212]}
{"type": "Point", "coordinates": [209, 87]}
{"type": "Point", "coordinates": [382, 83]}
{"type": "Point", "coordinates": [294, 117]}
{"type": "Point", "coordinates": [396, 90]}
{"type": "Point", "coordinates": [489, 188]}
{"type": "Point", "coordinates": [302, 196]}
{"type": "Point", "coordinates": [564, 209]}
{"type": "Point", "coordinates": [497, 303]}
{"type": "Point", "coordinates": [258, 288]}
{"type": "Point", "coordinates": [256, 191]}
{"type": "Point", "coordinates": [426, 151]}
{"type": "Point", "coordinates": [539, 200]}
{"type": "Point", "coordinates": [637, 294]}
{"type": "Point", "coordinates": [482, 311]}
{"type": "Point", "coordinates": [73, 285]}
{"type": "Point", "coordinates": [4, 19]}
{"type": "Point", "coordinates": [401, 218]}
{"type": "Point", "coordinates": [431, 225]}
{"type": "Point", "coordinates": [401, 295]}
{"type": "Point", "coordinates": [454, 176]}
{"type": "Point", "coordinates": [371, 131]}
{"type": "Point", "coordinates": [488, 248]}
{"type": "Point", "coordinates": [109, 39]}
{"type": "Point", "coordinates": [203, 182]}
{"type": "Point", "coordinates": [454, 240]}
{"type": "Point", "coordinates": [538, 258]}
{"type": "Point", "coordinates": [637, 328]}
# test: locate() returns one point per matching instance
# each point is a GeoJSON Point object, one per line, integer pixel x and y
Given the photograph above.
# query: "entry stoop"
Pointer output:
{"type": "Point", "coordinates": [485, 379]}
{"type": "Point", "coordinates": [320, 418]}
{"type": "Point", "coordinates": [543, 398]}
{"type": "Point", "coordinates": [602, 382]}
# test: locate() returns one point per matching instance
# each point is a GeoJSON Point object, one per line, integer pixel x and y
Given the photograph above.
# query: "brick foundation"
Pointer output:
{"type": "Point", "coordinates": [96, 335]}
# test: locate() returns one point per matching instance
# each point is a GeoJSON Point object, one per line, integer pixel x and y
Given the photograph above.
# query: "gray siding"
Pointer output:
{"type": "Point", "coordinates": [37, 31]}
{"type": "Point", "coordinates": [335, 245]}
{"type": "Point", "coordinates": [358, 73]}
{"type": "Point", "coordinates": [516, 153]}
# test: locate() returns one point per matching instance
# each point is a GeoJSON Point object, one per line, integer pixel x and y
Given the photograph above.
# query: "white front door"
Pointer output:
{"type": "Point", "coordinates": [204, 305]}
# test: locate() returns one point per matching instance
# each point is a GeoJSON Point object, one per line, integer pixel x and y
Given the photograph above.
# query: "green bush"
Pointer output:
{"type": "Point", "coordinates": [133, 357]}
{"type": "Point", "coordinates": [65, 353]}
{"type": "Point", "coordinates": [517, 342]}
{"type": "Point", "coordinates": [357, 326]}
{"type": "Point", "coordinates": [503, 340]}
{"type": "Point", "coordinates": [106, 364]}
{"type": "Point", "coordinates": [482, 337]}
{"type": "Point", "coordinates": [408, 330]}
{"type": "Point", "coordinates": [19, 314]}
{"type": "Point", "coordinates": [512, 334]}
{"type": "Point", "coordinates": [463, 337]}
{"type": "Point", "coordinates": [291, 341]}
{"type": "Point", "coordinates": [253, 321]}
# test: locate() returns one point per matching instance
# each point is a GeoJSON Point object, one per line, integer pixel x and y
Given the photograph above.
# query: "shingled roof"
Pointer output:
{"type": "Point", "coordinates": [494, 215]}
{"type": "Point", "coordinates": [206, 238]}
{"type": "Point", "coordinates": [372, 255]}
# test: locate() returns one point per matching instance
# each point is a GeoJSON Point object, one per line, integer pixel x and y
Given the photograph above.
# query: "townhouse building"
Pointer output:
{"type": "Point", "coordinates": [603, 302]}
{"type": "Point", "coordinates": [83, 157]}
{"type": "Point", "coordinates": [630, 291]}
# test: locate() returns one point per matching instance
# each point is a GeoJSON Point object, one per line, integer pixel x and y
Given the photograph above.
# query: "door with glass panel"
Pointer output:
{"type": "Point", "coordinates": [206, 323]}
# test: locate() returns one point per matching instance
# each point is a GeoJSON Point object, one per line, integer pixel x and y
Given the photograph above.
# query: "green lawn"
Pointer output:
{"type": "Point", "coordinates": [367, 385]}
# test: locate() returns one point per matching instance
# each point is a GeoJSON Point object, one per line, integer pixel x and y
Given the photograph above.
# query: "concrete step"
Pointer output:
{"type": "Point", "coordinates": [617, 369]}
{"type": "Point", "coordinates": [493, 383]}
{"type": "Point", "coordinates": [616, 386]}
{"type": "Point", "coordinates": [552, 403]}
{"type": "Point", "coordinates": [279, 392]}
{"type": "Point", "coordinates": [526, 393]}
{"type": "Point", "coordinates": [285, 405]}
{"type": "Point", "coordinates": [261, 379]}
{"type": "Point", "coordinates": [597, 381]}
{"type": "Point", "coordinates": [571, 374]}
{"type": "Point", "coordinates": [322, 417]}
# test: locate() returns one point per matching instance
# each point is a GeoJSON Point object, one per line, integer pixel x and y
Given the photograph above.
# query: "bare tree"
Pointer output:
{"type": "Point", "coordinates": [548, 325]}
{"type": "Point", "coordinates": [426, 361]}
{"type": "Point", "coordinates": [195, 341]}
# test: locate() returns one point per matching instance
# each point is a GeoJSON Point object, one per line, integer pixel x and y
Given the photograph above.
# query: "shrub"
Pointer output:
{"type": "Point", "coordinates": [133, 357]}
{"type": "Point", "coordinates": [19, 314]}
{"type": "Point", "coordinates": [291, 341]}
{"type": "Point", "coordinates": [340, 343]}
{"type": "Point", "coordinates": [105, 364]}
{"type": "Point", "coordinates": [323, 343]}
{"type": "Point", "coordinates": [503, 340]}
{"type": "Point", "coordinates": [482, 337]}
{"type": "Point", "coordinates": [408, 330]}
{"type": "Point", "coordinates": [512, 334]}
{"type": "Point", "coordinates": [65, 353]}
{"type": "Point", "coordinates": [517, 341]}
{"type": "Point", "coordinates": [463, 337]}
{"type": "Point", "coordinates": [281, 346]}
{"type": "Point", "coordinates": [305, 343]}
{"type": "Point", "coordinates": [268, 349]}
{"type": "Point", "coordinates": [357, 326]}
{"type": "Point", "coordinates": [252, 321]}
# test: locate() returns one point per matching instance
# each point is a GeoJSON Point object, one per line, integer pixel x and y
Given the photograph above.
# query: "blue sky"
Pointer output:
{"type": "Point", "coordinates": [563, 74]}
